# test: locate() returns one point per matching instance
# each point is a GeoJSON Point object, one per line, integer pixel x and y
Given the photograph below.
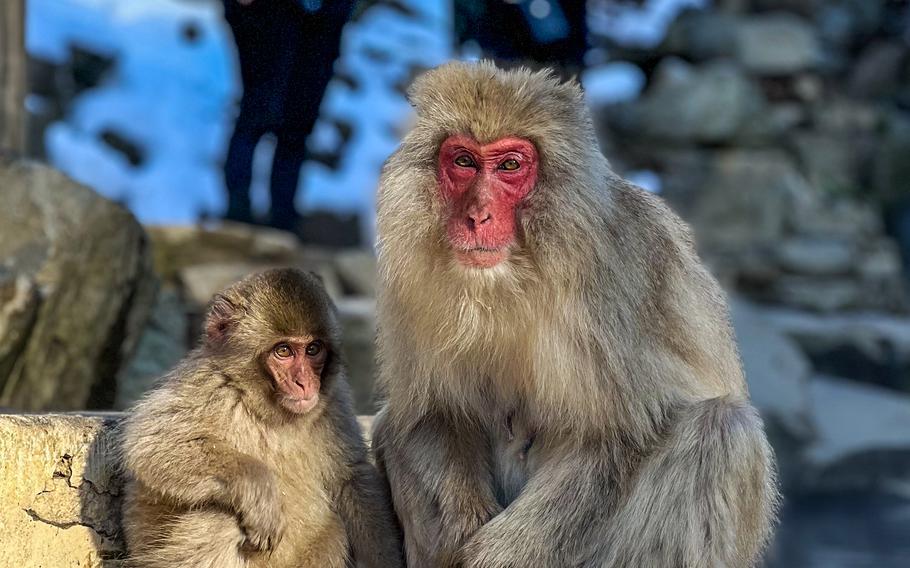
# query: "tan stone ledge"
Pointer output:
{"type": "Point", "coordinates": [59, 491]}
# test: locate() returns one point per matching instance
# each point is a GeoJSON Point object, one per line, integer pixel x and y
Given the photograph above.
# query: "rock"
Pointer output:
{"type": "Point", "coordinates": [881, 274]}
{"type": "Point", "coordinates": [868, 347]}
{"type": "Point", "coordinates": [877, 70]}
{"type": "Point", "coordinates": [708, 104]}
{"type": "Point", "coordinates": [356, 269]}
{"type": "Point", "coordinates": [89, 261]}
{"type": "Point", "coordinates": [826, 216]}
{"type": "Point", "coordinates": [776, 43]}
{"type": "Point", "coordinates": [817, 257]}
{"type": "Point", "coordinates": [19, 298]}
{"type": "Point", "coordinates": [824, 295]}
{"type": "Point", "coordinates": [881, 261]}
{"type": "Point", "coordinates": [830, 162]}
{"type": "Point", "coordinates": [862, 438]}
{"type": "Point", "coordinates": [332, 230]}
{"type": "Point", "coordinates": [178, 247]}
{"type": "Point", "coordinates": [847, 23]}
{"type": "Point", "coordinates": [776, 369]}
{"type": "Point", "coordinates": [892, 168]}
{"type": "Point", "coordinates": [828, 275]}
{"type": "Point", "coordinates": [358, 325]}
{"type": "Point", "coordinates": [164, 341]}
{"type": "Point", "coordinates": [808, 87]}
{"type": "Point", "coordinates": [746, 200]}
{"type": "Point", "coordinates": [202, 281]}
{"type": "Point", "coordinates": [772, 125]}
{"type": "Point", "coordinates": [842, 116]}
{"type": "Point", "coordinates": [59, 492]}
{"type": "Point", "coordinates": [802, 7]}
{"type": "Point", "coordinates": [701, 35]}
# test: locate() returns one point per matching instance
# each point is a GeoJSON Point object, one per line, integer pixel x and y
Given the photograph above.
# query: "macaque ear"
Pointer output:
{"type": "Point", "coordinates": [220, 320]}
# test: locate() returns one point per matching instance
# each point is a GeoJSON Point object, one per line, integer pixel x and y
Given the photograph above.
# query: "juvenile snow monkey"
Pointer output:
{"type": "Point", "coordinates": [249, 453]}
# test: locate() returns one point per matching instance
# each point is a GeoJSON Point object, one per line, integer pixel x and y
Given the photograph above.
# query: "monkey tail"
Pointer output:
{"type": "Point", "coordinates": [707, 497]}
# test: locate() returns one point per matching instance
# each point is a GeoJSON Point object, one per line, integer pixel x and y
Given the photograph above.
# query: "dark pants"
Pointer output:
{"type": "Point", "coordinates": [286, 56]}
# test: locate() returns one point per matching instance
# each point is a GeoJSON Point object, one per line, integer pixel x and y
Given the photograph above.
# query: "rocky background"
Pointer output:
{"type": "Point", "coordinates": [780, 129]}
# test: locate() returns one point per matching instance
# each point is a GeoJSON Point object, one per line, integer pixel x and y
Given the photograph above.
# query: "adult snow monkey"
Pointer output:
{"type": "Point", "coordinates": [560, 379]}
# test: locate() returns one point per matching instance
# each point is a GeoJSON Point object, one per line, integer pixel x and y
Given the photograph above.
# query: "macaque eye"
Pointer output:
{"type": "Point", "coordinates": [283, 351]}
{"type": "Point", "coordinates": [510, 165]}
{"type": "Point", "coordinates": [314, 348]}
{"type": "Point", "coordinates": [465, 161]}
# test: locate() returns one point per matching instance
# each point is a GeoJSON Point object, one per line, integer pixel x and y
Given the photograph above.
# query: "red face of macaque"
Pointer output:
{"type": "Point", "coordinates": [482, 187]}
{"type": "Point", "coordinates": [296, 366]}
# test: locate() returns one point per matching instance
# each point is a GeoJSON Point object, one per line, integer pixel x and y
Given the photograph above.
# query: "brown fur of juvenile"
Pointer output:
{"type": "Point", "coordinates": [582, 406]}
{"type": "Point", "coordinates": [214, 466]}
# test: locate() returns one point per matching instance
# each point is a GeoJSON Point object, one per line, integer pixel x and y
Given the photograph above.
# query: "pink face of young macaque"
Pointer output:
{"type": "Point", "coordinates": [482, 187]}
{"type": "Point", "coordinates": [296, 366]}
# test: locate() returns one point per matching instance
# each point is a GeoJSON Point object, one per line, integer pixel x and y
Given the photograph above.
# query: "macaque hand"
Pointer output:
{"type": "Point", "coordinates": [495, 545]}
{"type": "Point", "coordinates": [259, 510]}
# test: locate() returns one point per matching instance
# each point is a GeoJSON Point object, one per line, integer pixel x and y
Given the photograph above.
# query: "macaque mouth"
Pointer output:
{"type": "Point", "coordinates": [481, 257]}
{"type": "Point", "coordinates": [299, 396]}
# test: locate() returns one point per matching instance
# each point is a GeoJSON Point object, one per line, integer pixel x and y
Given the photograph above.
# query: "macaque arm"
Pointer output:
{"type": "Point", "coordinates": [701, 499]}
{"type": "Point", "coordinates": [441, 485]}
{"type": "Point", "coordinates": [365, 507]}
{"type": "Point", "coordinates": [362, 498]}
{"type": "Point", "coordinates": [195, 471]}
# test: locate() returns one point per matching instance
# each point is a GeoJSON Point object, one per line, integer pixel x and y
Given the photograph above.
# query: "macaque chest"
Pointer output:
{"type": "Point", "coordinates": [513, 455]}
{"type": "Point", "coordinates": [314, 534]}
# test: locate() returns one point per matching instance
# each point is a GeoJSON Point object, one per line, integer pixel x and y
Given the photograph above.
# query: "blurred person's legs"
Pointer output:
{"type": "Point", "coordinates": [290, 153]}
{"type": "Point", "coordinates": [238, 166]}
{"type": "Point", "coordinates": [286, 57]}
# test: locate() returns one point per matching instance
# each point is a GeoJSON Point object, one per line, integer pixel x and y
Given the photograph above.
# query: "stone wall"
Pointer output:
{"type": "Point", "coordinates": [60, 491]}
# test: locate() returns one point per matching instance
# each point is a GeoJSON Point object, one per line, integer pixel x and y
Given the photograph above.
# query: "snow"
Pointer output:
{"type": "Point", "coordinates": [170, 96]}
{"type": "Point", "coordinates": [613, 83]}
{"type": "Point", "coordinates": [175, 99]}
{"type": "Point", "coordinates": [648, 180]}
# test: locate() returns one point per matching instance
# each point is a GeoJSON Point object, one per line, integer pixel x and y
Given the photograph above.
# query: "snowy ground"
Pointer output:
{"type": "Point", "coordinates": [175, 98]}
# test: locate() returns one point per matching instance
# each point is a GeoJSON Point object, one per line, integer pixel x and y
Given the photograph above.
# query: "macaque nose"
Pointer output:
{"type": "Point", "coordinates": [476, 219]}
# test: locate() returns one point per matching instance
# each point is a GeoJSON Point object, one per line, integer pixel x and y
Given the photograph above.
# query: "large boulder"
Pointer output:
{"type": "Point", "coordinates": [164, 341]}
{"type": "Point", "coordinates": [357, 316]}
{"type": "Point", "coordinates": [746, 200]}
{"type": "Point", "coordinates": [76, 285]}
{"type": "Point", "coordinates": [862, 438]}
{"type": "Point", "coordinates": [59, 492]}
{"type": "Point", "coordinates": [778, 375]}
{"type": "Point", "coordinates": [708, 104]}
{"type": "Point", "coordinates": [828, 433]}
{"type": "Point", "coordinates": [777, 43]}
{"type": "Point", "coordinates": [864, 346]}
{"type": "Point", "coordinates": [776, 369]}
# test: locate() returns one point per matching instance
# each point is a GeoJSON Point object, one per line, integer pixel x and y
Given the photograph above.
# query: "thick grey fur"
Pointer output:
{"type": "Point", "coordinates": [581, 404]}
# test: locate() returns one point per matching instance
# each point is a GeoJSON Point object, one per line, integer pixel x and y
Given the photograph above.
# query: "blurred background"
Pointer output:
{"type": "Point", "coordinates": [160, 133]}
